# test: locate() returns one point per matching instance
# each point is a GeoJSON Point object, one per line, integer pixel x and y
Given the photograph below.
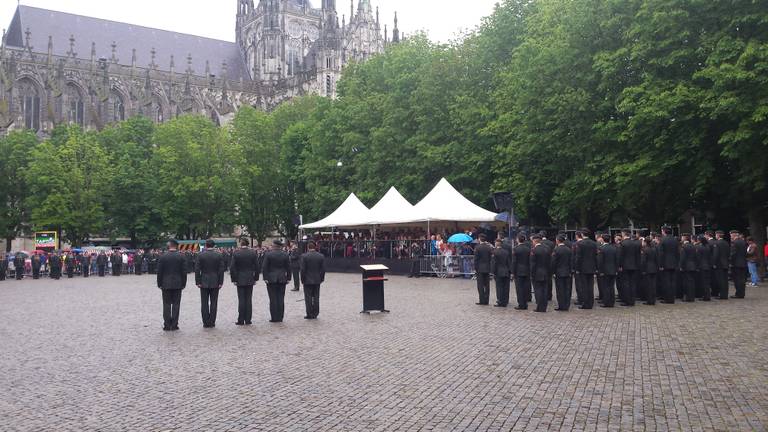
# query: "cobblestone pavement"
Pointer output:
{"type": "Point", "coordinates": [89, 355]}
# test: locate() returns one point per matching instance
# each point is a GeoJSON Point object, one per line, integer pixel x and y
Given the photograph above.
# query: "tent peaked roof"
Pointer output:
{"type": "Point", "coordinates": [349, 213]}
{"type": "Point", "coordinates": [445, 203]}
{"type": "Point", "coordinates": [392, 209]}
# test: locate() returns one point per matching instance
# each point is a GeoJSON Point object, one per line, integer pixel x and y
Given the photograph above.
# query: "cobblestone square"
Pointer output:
{"type": "Point", "coordinates": [89, 355]}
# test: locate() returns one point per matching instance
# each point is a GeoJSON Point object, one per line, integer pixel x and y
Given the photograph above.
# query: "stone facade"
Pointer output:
{"type": "Point", "coordinates": [58, 68]}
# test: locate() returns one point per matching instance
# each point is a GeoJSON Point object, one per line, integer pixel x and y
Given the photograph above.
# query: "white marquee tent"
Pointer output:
{"type": "Point", "coordinates": [443, 204]}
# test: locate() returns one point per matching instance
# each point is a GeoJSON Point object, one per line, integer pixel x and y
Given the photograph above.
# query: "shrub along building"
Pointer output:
{"type": "Point", "coordinates": [58, 68]}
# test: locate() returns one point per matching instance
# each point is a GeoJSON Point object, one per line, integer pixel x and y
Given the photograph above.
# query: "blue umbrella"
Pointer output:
{"type": "Point", "coordinates": [460, 238]}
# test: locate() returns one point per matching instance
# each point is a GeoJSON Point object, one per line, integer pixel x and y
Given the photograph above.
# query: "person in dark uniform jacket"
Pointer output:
{"type": "Point", "coordinates": [540, 272]}
{"type": "Point", "coordinates": [704, 258]}
{"type": "Point", "coordinates": [3, 267]}
{"type": "Point", "coordinates": [521, 271]}
{"type": "Point", "coordinates": [171, 279]}
{"type": "Point", "coordinates": [630, 252]}
{"type": "Point", "coordinates": [18, 265]}
{"type": "Point", "coordinates": [117, 263]}
{"type": "Point", "coordinates": [739, 264]}
{"type": "Point", "coordinates": [713, 287]}
{"type": "Point", "coordinates": [483, 254]}
{"type": "Point", "coordinates": [36, 264]}
{"type": "Point", "coordinates": [71, 264]}
{"type": "Point", "coordinates": [85, 264]}
{"type": "Point", "coordinates": [209, 277]}
{"type": "Point", "coordinates": [551, 246]}
{"type": "Point", "coordinates": [244, 272]}
{"type": "Point", "coordinates": [669, 262]}
{"type": "Point", "coordinates": [607, 268]}
{"type": "Point", "coordinates": [55, 265]}
{"type": "Point", "coordinates": [138, 263]}
{"type": "Point", "coordinates": [650, 269]}
{"type": "Point", "coordinates": [585, 266]}
{"type": "Point", "coordinates": [721, 254]}
{"type": "Point", "coordinates": [562, 264]}
{"type": "Point", "coordinates": [312, 274]}
{"type": "Point", "coordinates": [295, 255]}
{"type": "Point", "coordinates": [688, 268]}
{"type": "Point", "coordinates": [277, 273]}
{"type": "Point", "coordinates": [101, 263]}
{"type": "Point", "coordinates": [500, 269]}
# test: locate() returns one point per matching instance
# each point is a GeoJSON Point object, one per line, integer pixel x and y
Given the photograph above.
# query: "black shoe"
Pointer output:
{"type": "Point", "coordinates": [248, 323]}
{"type": "Point", "coordinates": [165, 328]}
{"type": "Point", "coordinates": [649, 304]}
{"type": "Point", "coordinates": [628, 305]}
{"type": "Point", "coordinates": [520, 308]}
{"type": "Point", "coordinates": [499, 305]}
{"type": "Point", "coordinates": [275, 321]}
{"type": "Point", "coordinates": [239, 323]}
{"type": "Point", "coordinates": [481, 304]}
{"type": "Point", "coordinates": [294, 290]}
{"type": "Point", "coordinates": [606, 306]}
{"type": "Point", "coordinates": [736, 297]}
{"type": "Point", "coordinates": [307, 317]}
{"type": "Point", "coordinates": [175, 328]}
{"type": "Point", "coordinates": [561, 310]}
{"type": "Point", "coordinates": [539, 311]}
{"type": "Point", "coordinates": [584, 307]}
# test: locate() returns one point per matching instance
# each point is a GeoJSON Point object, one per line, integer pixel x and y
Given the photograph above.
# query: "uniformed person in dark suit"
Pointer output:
{"type": "Point", "coordinates": [18, 265]}
{"type": "Point", "coordinates": [521, 271]}
{"type": "Point", "coordinates": [669, 262]}
{"type": "Point", "coordinates": [738, 264]}
{"type": "Point", "coordinates": [117, 263]}
{"type": "Point", "coordinates": [551, 246]}
{"type": "Point", "coordinates": [688, 268]}
{"type": "Point", "coordinates": [704, 258]}
{"type": "Point", "coordinates": [721, 254]}
{"type": "Point", "coordinates": [277, 273]}
{"type": "Point", "coordinates": [171, 279]}
{"type": "Point", "coordinates": [3, 267]}
{"type": "Point", "coordinates": [607, 268]}
{"type": "Point", "coordinates": [36, 264]}
{"type": "Point", "coordinates": [71, 265]}
{"type": "Point", "coordinates": [630, 252]}
{"type": "Point", "coordinates": [540, 272]}
{"type": "Point", "coordinates": [244, 272]}
{"type": "Point", "coordinates": [483, 255]}
{"type": "Point", "coordinates": [312, 274]}
{"type": "Point", "coordinates": [713, 287]}
{"type": "Point", "coordinates": [500, 269]}
{"type": "Point", "coordinates": [585, 266]}
{"type": "Point", "coordinates": [85, 264]}
{"type": "Point", "coordinates": [54, 263]}
{"type": "Point", "coordinates": [650, 268]}
{"type": "Point", "coordinates": [209, 277]}
{"type": "Point", "coordinates": [295, 255]}
{"type": "Point", "coordinates": [101, 263]}
{"type": "Point", "coordinates": [138, 263]}
{"type": "Point", "coordinates": [562, 264]}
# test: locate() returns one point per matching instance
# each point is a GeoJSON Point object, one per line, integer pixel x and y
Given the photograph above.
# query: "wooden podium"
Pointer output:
{"type": "Point", "coordinates": [373, 288]}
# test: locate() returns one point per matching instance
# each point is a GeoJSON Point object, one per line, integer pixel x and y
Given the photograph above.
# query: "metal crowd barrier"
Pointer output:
{"type": "Point", "coordinates": [447, 266]}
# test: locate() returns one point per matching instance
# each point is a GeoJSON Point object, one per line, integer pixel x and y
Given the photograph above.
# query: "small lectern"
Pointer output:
{"type": "Point", "coordinates": [373, 288]}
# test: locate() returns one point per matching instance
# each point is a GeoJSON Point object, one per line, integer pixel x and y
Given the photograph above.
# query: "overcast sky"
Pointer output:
{"type": "Point", "coordinates": [442, 19]}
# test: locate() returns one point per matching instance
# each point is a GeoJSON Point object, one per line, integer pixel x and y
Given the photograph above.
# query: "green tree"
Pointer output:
{"type": "Point", "coordinates": [15, 153]}
{"type": "Point", "coordinates": [67, 180]}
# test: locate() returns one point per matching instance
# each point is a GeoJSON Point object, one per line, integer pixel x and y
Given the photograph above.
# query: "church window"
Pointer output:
{"type": "Point", "coordinates": [75, 109]}
{"type": "Point", "coordinates": [29, 102]}
{"type": "Point", "coordinates": [117, 107]}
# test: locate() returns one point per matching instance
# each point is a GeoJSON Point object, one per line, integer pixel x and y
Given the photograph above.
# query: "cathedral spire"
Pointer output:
{"type": "Point", "coordinates": [395, 31]}
{"type": "Point", "coordinates": [50, 50]}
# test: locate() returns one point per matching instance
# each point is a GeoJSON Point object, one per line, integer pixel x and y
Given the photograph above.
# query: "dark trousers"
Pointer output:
{"type": "Point", "coordinates": [116, 269]}
{"type": "Point", "coordinates": [705, 281]}
{"type": "Point", "coordinates": [714, 283]}
{"type": "Point", "coordinates": [415, 270]}
{"type": "Point", "coordinates": [276, 301]}
{"type": "Point", "coordinates": [484, 287]}
{"type": "Point", "coordinates": [137, 269]}
{"type": "Point", "coordinates": [55, 273]}
{"type": "Point", "coordinates": [312, 300]}
{"type": "Point", "coordinates": [522, 290]}
{"type": "Point", "coordinates": [101, 270]}
{"type": "Point", "coordinates": [209, 302]}
{"type": "Point", "coordinates": [171, 306]}
{"type": "Point", "coordinates": [669, 285]}
{"type": "Point", "coordinates": [244, 304]}
{"type": "Point", "coordinates": [689, 285]}
{"type": "Point", "coordinates": [19, 273]}
{"type": "Point", "coordinates": [740, 281]}
{"type": "Point", "coordinates": [609, 289]}
{"type": "Point", "coordinates": [549, 289]}
{"type": "Point", "coordinates": [601, 288]}
{"type": "Point", "coordinates": [579, 282]}
{"type": "Point", "coordinates": [721, 278]}
{"type": "Point", "coordinates": [86, 271]}
{"type": "Point", "coordinates": [680, 285]}
{"type": "Point", "coordinates": [35, 273]}
{"type": "Point", "coordinates": [70, 273]}
{"type": "Point", "coordinates": [629, 286]}
{"type": "Point", "coordinates": [587, 282]}
{"type": "Point", "coordinates": [649, 281]}
{"type": "Point", "coordinates": [502, 290]}
{"type": "Point", "coordinates": [564, 288]}
{"type": "Point", "coordinates": [540, 292]}
{"type": "Point", "coordinates": [296, 278]}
